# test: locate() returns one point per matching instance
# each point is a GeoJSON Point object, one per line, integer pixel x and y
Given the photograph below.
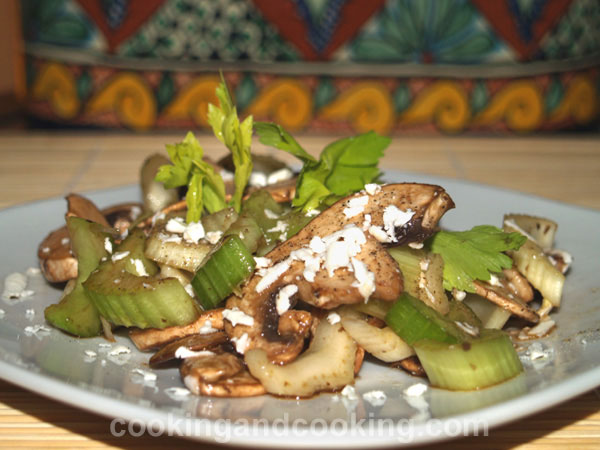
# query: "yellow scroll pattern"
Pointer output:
{"type": "Point", "coordinates": [286, 101]}
{"type": "Point", "coordinates": [580, 102]}
{"type": "Point", "coordinates": [366, 106]}
{"type": "Point", "coordinates": [192, 102]}
{"type": "Point", "coordinates": [519, 104]}
{"type": "Point", "coordinates": [56, 85]}
{"type": "Point", "coordinates": [129, 97]}
{"type": "Point", "coordinates": [444, 103]}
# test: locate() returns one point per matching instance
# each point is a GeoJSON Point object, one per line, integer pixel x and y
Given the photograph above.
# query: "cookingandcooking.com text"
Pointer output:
{"type": "Point", "coordinates": [225, 430]}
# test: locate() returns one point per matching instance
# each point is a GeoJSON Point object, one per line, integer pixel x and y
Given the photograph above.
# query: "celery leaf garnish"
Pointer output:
{"type": "Point", "coordinates": [236, 136]}
{"type": "Point", "coordinates": [205, 187]}
{"type": "Point", "coordinates": [344, 166]}
{"type": "Point", "coordinates": [471, 255]}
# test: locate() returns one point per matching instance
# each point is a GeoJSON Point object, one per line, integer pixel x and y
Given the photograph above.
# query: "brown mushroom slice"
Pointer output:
{"type": "Point", "coordinates": [79, 206]}
{"type": "Point", "coordinates": [219, 375]}
{"type": "Point", "coordinates": [327, 365]}
{"type": "Point", "coordinates": [501, 296]}
{"type": "Point", "coordinates": [518, 284]}
{"type": "Point", "coordinates": [193, 343]}
{"type": "Point", "coordinates": [427, 203]}
{"type": "Point", "coordinates": [149, 338]}
{"type": "Point", "coordinates": [411, 365]}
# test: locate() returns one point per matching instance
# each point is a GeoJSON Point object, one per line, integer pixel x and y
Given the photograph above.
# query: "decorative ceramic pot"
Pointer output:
{"type": "Point", "coordinates": [394, 66]}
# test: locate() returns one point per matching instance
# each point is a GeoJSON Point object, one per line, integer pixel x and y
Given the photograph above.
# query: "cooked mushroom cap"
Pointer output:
{"type": "Point", "coordinates": [428, 203]}
{"type": "Point", "coordinates": [221, 374]}
{"type": "Point", "coordinates": [194, 343]}
{"type": "Point", "coordinates": [501, 296]}
{"type": "Point", "coordinates": [154, 337]}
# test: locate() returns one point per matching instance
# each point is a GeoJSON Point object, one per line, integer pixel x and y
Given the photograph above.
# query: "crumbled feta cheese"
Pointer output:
{"type": "Point", "coordinates": [458, 295]}
{"type": "Point", "coordinates": [372, 188]}
{"type": "Point", "coordinates": [542, 328]}
{"type": "Point", "coordinates": [416, 245]}
{"type": "Point", "coordinates": [494, 280]}
{"type": "Point", "coordinates": [241, 343]}
{"type": "Point", "coordinates": [424, 264]}
{"type": "Point", "coordinates": [89, 356]}
{"type": "Point", "coordinates": [415, 390]}
{"type": "Point", "coordinates": [139, 267]}
{"type": "Point", "coordinates": [336, 257]}
{"type": "Point", "coordinates": [317, 245]}
{"type": "Point", "coordinates": [207, 328]}
{"type": "Point", "coordinates": [108, 245]}
{"type": "Point", "coordinates": [365, 279]}
{"type": "Point", "coordinates": [15, 285]}
{"type": "Point", "coordinates": [281, 227]}
{"type": "Point", "coordinates": [379, 234]}
{"type": "Point", "coordinates": [226, 175]}
{"type": "Point", "coordinates": [279, 175]}
{"type": "Point", "coordinates": [312, 262]}
{"type": "Point", "coordinates": [214, 236]}
{"type": "Point", "coordinates": [194, 232]}
{"type": "Point", "coordinates": [272, 274]}
{"type": "Point", "coordinates": [282, 301]}
{"type": "Point", "coordinates": [257, 179]}
{"type": "Point", "coordinates": [184, 352]}
{"type": "Point", "coordinates": [375, 398]}
{"type": "Point", "coordinates": [46, 250]}
{"type": "Point", "coordinates": [394, 218]}
{"type": "Point", "coordinates": [37, 330]}
{"type": "Point", "coordinates": [349, 392]}
{"type": "Point", "coordinates": [333, 318]}
{"type": "Point", "coordinates": [65, 241]}
{"type": "Point", "coordinates": [366, 222]}
{"type": "Point", "coordinates": [190, 290]}
{"type": "Point", "coordinates": [262, 262]}
{"type": "Point", "coordinates": [176, 225]}
{"type": "Point", "coordinates": [270, 214]}
{"type": "Point", "coordinates": [119, 256]}
{"type": "Point", "coordinates": [237, 316]}
{"type": "Point", "coordinates": [312, 213]}
{"type": "Point", "coordinates": [146, 376]}
{"type": "Point", "coordinates": [119, 350]}
{"type": "Point", "coordinates": [2, 313]}
{"type": "Point", "coordinates": [30, 313]}
{"type": "Point", "coordinates": [356, 206]}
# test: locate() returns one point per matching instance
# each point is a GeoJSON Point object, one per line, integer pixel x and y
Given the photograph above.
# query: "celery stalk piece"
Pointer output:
{"type": "Point", "coordinates": [222, 272]}
{"type": "Point", "coordinates": [75, 313]}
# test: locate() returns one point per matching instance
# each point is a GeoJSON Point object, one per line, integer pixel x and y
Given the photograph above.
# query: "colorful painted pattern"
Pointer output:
{"type": "Point", "coordinates": [154, 63]}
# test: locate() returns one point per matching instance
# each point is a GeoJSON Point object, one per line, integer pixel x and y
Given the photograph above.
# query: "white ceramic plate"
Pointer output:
{"type": "Point", "coordinates": [56, 366]}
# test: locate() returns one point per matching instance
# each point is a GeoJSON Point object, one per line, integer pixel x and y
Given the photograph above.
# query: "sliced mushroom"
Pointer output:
{"type": "Point", "coordinates": [428, 203]}
{"type": "Point", "coordinates": [221, 374]}
{"type": "Point", "coordinates": [193, 343]}
{"type": "Point", "coordinates": [501, 295]}
{"type": "Point", "coordinates": [153, 337]}
{"type": "Point", "coordinates": [412, 365]}
{"type": "Point", "coordinates": [518, 284]}
{"type": "Point", "coordinates": [57, 262]}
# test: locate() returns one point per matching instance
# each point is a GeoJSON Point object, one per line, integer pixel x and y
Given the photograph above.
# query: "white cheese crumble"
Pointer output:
{"type": "Point", "coordinates": [190, 290]}
{"type": "Point", "coordinates": [281, 227]}
{"type": "Point", "coordinates": [375, 398]}
{"type": "Point", "coordinates": [394, 218]}
{"type": "Point", "coordinates": [237, 316]}
{"type": "Point", "coordinates": [349, 392]}
{"type": "Point", "coordinates": [262, 262]}
{"type": "Point", "coordinates": [542, 328]}
{"type": "Point", "coordinates": [270, 214]}
{"type": "Point", "coordinates": [214, 236]}
{"type": "Point", "coordinates": [194, 232]}
{"type": "Point", "coordinates": [372, 188]}
{"type": "Point", "coordinates": [2, 313]}
{"type": "Point", "coordinates": [257, 179]}
{"type": "Point", "coordinates": [378, 233]}
{"type": "Point", "coordinates": [241, 343]}
{"type": "Point", "coordinates": [312, 213]}
{"type": "Point", "coordinates": [119, 350]}
{"type": "Point", "coordinates": [415, 390]}
{"type": "Point", "coordinates": [145, 374]}
{"type": "Point", "coordinates": [119, 256]}
{"type": "Point", "coordinates": [416, 245]}
{"type": "Point", "coordinates": [139, 267]}
{"type": "Point", "coordinates": [333, 318]}
{"type": "Point", "coordinates": [271, 274]}
{"type": "Point", "coordinates": [164, 237]}
{"type": "Point", "coordinates": [176, 225]}
{"type": "Point", "coordinates": [356, 206]}
{"type": "Point", "coordinates": [184, 352]}
{"type": "Point", "coordinates": [458, 295]}
{"type": "Point", "coordinates": [108, 245]}
{"type": "Point", "coordinates": [279, 176]}
{"type": "Point", "coordinates": [365, 279]}
{"type": "Point", "coordinates": [366, 222]}
{"type": "Point", "coordinates": [282, 301]}
{"type": "Point", "coordinates": [36, 330]}
{"type": "Point", "coordinates": [65, 241]}
{"type": "Point", "coordinates": [15, 285]}
{"type": "Point", "coordinates": [207, 328]}
{"type": "Point", "coordinates": [30, 313]}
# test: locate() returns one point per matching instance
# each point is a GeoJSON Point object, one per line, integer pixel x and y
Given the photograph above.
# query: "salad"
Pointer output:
{"type": "Point", "coordinates": [266, 281]}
